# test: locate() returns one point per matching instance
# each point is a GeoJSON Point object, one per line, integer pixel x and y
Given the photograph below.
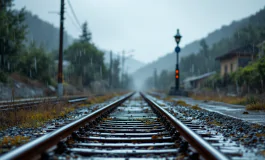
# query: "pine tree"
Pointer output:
{"type": "Point", "coordinates": [86, 35]}
{"type": "Point", "coordinates": [12, 32]}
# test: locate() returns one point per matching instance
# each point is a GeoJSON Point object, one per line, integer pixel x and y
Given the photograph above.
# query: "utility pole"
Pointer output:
{"type": "Point", "coordinates": [155, 78]}
{"type": "Point", "coordinates": [123, 58]}
{"type": "Point", "coordinates": [110, 71]}
{"type": "Point", "coordinates": [122, 69]}
{"type": "Point", "coordinates": [60, 63]}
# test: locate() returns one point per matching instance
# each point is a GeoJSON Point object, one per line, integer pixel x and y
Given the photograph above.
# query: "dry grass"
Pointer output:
{"type": "Point", "coordinates": [145, 120]}
{"type": "Point", "coordinates": [256, 106]}
{"type": "Point", "coordinates": [262, 152]}
{"type": "Point", "coordinates": [39, 115]}
{"type": "Point", "coordinates": [260, 134]}
{"type": "Point", "coordinates": [149, 122]}
{"type": "Point", "coordinates": [256, 126]}
{"type": "Point", "coordinates": [214, 122]}
{"type": "Point", "coordinates": [182, 103]}
{"type": "Point", "coordinates": [256, 102]}
{"type": "Point", "coordinates": [100, 99]}
{"type": "Point", "coordinates": [13, 141]}
{"type": "Point", "coordinates": [107, 119]}
{"type": "Point", "coordinates": [196, 107]}
{"type": "Point", "coordinates": [225, 99]}
{"type": "Point", "coordinates": [8, 142]}
{"type": "Point", "coordinates": [34, 117]}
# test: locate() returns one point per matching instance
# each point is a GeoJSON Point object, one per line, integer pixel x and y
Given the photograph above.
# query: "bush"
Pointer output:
{"type": "Point", "coordinates": [251, 75]}
{"type": "Point", "coordinates": [37, 64]}
{"type": "Point", "coordinates": [256, 107]}
{"type": "Point", "coordinates": [251, 100]}
{"type": "Point", "coordinates": [3, 77]}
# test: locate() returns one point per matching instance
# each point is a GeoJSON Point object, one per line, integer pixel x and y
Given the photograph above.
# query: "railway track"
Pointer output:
{"type": "Point", "coordinates": [29, 103]}
{"type": "Point", "coordinates": [134, 128]}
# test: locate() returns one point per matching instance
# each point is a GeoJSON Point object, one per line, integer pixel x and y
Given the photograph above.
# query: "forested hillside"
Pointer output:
{"type": "Point", "coordinates": [44, 33]}
{"type": "Point", "coordinates": [225, 32]}
{"type": "Point", "coordinates": [26, 49]}
{"type": "Point", "coordinates": [251, 33]}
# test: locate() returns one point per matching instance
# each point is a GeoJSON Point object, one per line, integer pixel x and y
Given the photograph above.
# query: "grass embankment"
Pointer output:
{"type": "Point", "coordinates": [39, 115]}
{"type": "Point", "coordinates": [181, 103]}
{"type": "Point", "coordinates": [251, 102]}
{"type": "Point", "coordinates": [256, 106]}
{"type": "Point", "coordinates": [225, 99]}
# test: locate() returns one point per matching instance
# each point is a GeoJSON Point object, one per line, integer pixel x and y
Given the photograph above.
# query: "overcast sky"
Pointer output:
{"type": "Point", "coordinates": [147, 26]}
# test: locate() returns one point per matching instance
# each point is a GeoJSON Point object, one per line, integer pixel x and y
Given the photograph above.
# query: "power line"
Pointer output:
{"type": "Point", "coordinates": [78, 28]}
{"type": "Point", "coordinates": [73, 12]}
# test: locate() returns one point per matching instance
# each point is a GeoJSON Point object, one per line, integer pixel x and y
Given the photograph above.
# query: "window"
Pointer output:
{"type": "Point", "coordinates": [231, 67]}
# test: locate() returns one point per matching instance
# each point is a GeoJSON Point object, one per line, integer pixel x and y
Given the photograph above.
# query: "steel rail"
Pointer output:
{"type": "Point", "coordinates": [22, 104]}
{"type": "Point", "coordinates": [39, 145]}
{"type": "Point", "coordinates": [77, 100]}
{"type": "Point", "coordinates": [203, 147]}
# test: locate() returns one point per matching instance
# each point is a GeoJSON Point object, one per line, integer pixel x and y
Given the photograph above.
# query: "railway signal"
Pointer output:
{"type": "Point", "coordinates": [177, 74]}
{"type": "Point", "coordinates": [177, 50]}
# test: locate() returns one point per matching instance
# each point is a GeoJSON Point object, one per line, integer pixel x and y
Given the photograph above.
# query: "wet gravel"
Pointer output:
{"type": "Point", "coordinates": [250, 135]}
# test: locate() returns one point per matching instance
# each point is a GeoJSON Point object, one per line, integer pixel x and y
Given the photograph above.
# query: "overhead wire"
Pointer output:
{"type": "Point", "coordinates": [73, 12]}
{"type": "Point", "coordinates": [73, 22]}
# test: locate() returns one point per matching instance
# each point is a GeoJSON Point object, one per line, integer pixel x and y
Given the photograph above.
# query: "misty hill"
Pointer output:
{"type": "Point", "coordinates": [44, 33]}
{"type": "Point", "coordinates": [47, 35]}
{"type": "Point", "coordinates": [131, 65]}
{"type": "Point", "coordinates": [168, 61]}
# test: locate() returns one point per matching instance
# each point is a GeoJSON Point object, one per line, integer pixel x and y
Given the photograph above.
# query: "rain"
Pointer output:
{"type": "Point", "coordinates": [201, 63]}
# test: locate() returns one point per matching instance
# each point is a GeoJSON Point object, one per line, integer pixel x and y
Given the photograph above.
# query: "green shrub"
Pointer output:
{"type": "Point", "coordinates": [251, 100]}
{"type": "Point", "coordinates": [3, 77]}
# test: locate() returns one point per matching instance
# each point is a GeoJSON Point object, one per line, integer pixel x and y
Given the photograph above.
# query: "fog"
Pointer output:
{"type": "Point", "coordinates": [146, 26]}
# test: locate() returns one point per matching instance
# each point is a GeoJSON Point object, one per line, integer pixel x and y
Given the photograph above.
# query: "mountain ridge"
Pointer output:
{"type": "Point", "coordinates": [43, 33]}
{"type": "Point", "coordinates": [49, 38]}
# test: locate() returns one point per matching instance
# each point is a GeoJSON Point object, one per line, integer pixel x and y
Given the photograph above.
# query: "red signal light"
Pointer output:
{"type": "Point", "coordinates": [177, 74]}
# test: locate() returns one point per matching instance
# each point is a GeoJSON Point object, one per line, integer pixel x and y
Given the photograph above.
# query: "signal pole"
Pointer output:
{"type": "Point", "coordinates": [60, 63]}
{"type": "Point", "coordinates": [177, 50]}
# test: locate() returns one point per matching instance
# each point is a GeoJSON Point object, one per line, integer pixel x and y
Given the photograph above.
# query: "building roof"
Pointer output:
{"type": "Point", "coordinates": [247, 50]}
{"type": "Point", "coordinates": [194, 78]}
